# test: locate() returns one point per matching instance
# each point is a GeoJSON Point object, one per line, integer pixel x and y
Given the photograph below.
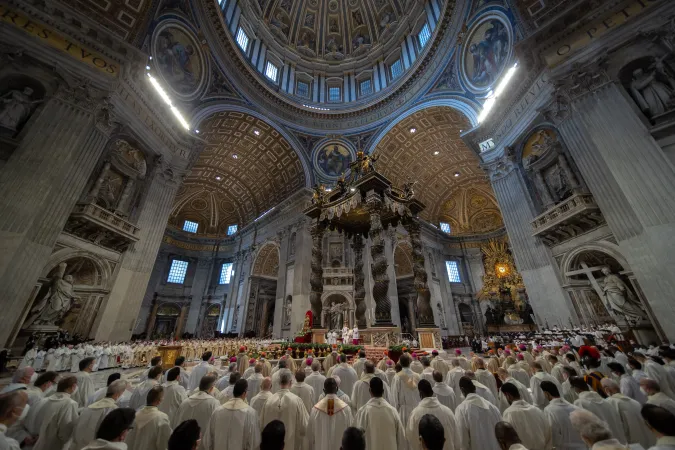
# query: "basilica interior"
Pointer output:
{"type": "Point", "coordinates": [227, 167]}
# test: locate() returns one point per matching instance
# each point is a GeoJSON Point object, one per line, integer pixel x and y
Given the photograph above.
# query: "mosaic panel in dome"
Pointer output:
{"type": "Point", "coordinates": [245, 169]}
{"type": "Point", "coordinates": [426, 147]}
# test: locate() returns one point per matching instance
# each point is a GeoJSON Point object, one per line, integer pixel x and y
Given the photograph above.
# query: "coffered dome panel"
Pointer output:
{"type": "Point", "coordinates": [246, 168]}
{"type": "Point", "coordinates": [426, 147]}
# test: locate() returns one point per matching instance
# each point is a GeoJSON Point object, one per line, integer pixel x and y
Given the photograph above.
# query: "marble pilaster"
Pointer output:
{"type": "Point", "coordinates": [125, 298]}
{"type": "Point", "coordinates": [284, 237]}
{"type": "Point", "coordinates": [301, 277]}
{"type": "Point", "coordinates": [533, 259]}
{"type": "Point", "coordinates": [198, 289]}
{"type": "Point", "coordinates": [631, 179]}
{"type": "Point", "coordinates": [39, 186]}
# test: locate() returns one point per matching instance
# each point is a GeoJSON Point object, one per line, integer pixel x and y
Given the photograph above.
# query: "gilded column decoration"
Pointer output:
{"type": "Point", "coordinates": [316, 278]}
{"type": "Point", "coordinates": [359, 278]}
{"type": "Point", "coordinates": [425, 314]}
{"type": "Point", "coordinates": [379, 268]}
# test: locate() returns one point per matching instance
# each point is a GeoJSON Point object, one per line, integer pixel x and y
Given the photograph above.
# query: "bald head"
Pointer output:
{"type": "Point", "coordinates": [23, 375]}
{"type": "Point", "coordinates": [610, 386]}
{"type": "Point", "coordinates": [266, 384]}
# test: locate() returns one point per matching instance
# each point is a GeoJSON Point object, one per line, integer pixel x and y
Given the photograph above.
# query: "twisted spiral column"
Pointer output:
{"type": "Point", "coordinates": [424, 311]}
{"type": "Point", "coordinates": [359, 278]}
{"type": "Point", "coordinates": [379, 268]}
{"type": "Point", "coordinates": [316, 278]}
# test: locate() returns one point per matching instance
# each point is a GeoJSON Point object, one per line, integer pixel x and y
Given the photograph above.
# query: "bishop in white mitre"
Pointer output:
{"type": "Point", "coordinates": [361, 392]}
{"type": "Point", "coordinates": [328, 420]}
{"type": "Point", "coordinates": [174, 395]}
{"type": "Point", "coordinates": [234, 425]}
{"type": "Point", "coordinates": [430, 405]}
{"type": "Point", "coordinates": [378, 415]}
{"type": "Point", "coordinates": [92, 416]}
{"type": "Point", "coordinates": [404, 396]}
{"type": "Point", "coordinates": [152, 428]}
{"type": "Point", "coordinates": [288, 408]}
{"type": "Point", "coordinates": [476, 419]}
{"type": "Point", "coordinates": [57, 417]}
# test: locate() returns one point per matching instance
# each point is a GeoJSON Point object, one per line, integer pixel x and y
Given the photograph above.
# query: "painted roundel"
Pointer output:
{"type": "Point", "coordinates": [486, 52]}
{"type": "Point", "coordinates": [332, 159]}
{"type": "Point", "coordinates": [179, 59]}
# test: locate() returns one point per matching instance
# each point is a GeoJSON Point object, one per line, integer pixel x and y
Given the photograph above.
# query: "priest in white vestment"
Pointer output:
{"type": "Point", "coordinates": [427, 371]}
{"type": "Point", "coordinates": [557, 368]}
{"type": "Point", "coordinates": [258, 402]}
{"type": "Point", "coordinates": [174, 395]}
{"type": "Point", "coordinates": [201, 370]}
{"type": "Point", "coordinates": [85, 385]}
{"type": "Point", "coordinates": [430, 405]}
{"type": "Point", "coordinates": [303, 390]}
{"type": "Point", "coordinates": [91, 417]}
{"type": "Point", "coordinates": [254, 381]}
{"type": "Point", "coordinates": [234, 425]}
{"type": "Point", "coordinates": [316, 380]}
{"type": "Point", "coordinates": [184, 379]}
{"type": "Point", "coordinates": [563, 435]}
{"type": "Point", "coordinates": [415, 365]}
{"type": "Point", "coordinates": [347, 375]}
{"type": "Point", "coordinates": [568, 392]}
{"type": "Point", "coordinates": [660, 422]}
{"type": "Point", "coordinates": [378, 415]}
{"type": "Point", "coordinates": [438, 364]}
{"type": "Point", "coordinates": [658, 373]}
{"type": "Point", "coordinates": [288, 408]}
{"type": "Point", "coordinates": [476, 419]}
{"type": "Point", "coordinates": [591, 401]}
{"type": "Point", "coordinates": [629, 413]}
{"type": "Point", "coordinates": [24, 431]}
{"type": "Point", "coordinates": [486, 377]}
{"type": "Point", "coordinates": [199, 406]}
{"type": "Point", "coordinates": [328, 420]}
{"type": "Point", "coordinates": [341, 394]}
{"type": "Point", "coordinates": [655, 396]}
{"type": "Point", "coordinates": [361, 393]}
{"type": "Point", "coordinates": [443, 392]}
{"type": "Point", "coordinates": [12, 407]}
{"type": "Point", "coordinates": [404, 395]}
{"type": "Point", "coordinates": [359, 363]}
{"type": "Point", "coordinates": [595, 432]}
{"type": "Point", "coordinates": [283, 369]}
{"type": "Point", "coordinates": [57, 417]}
{"type": "Point", "coordinates": [250, 370]}
{"type": "Point", "coordinates": [522, 390]}
{"type": "Point", "coordinates": [529, 421]}
{"type": "Point", "coordinates": [629, 386]}
{"type": "Point", "coordinates": [152, 428]}
{"type": "Point", "coordinates": [224, 381]}
{"type": "Point", "coordinates": [139, 397]}
{"type": "Point", "coordinates": [113, 430]}
{"type": "Point", "coordinates": [537, 377]}
{"type": "Point", "coordinates": [452, 378]}
{"type": "Point", "coordinates": [228, 392]}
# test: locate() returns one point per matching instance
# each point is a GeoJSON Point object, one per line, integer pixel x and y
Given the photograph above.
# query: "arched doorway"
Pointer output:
{"type": "Point", "coordinates": [210, 323]}
{"type": "Point", "coordinates": [165, 322]}
{"type": "Point", "coordinates": [262, 297]}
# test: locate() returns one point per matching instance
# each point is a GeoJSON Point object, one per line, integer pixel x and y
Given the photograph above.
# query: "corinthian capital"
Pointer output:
{"type": "Point", "coordinates": [582, 80]}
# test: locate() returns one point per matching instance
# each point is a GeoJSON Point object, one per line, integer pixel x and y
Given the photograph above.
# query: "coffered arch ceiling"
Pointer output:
{"type": "Point", "coordinates": [246, 168]}
{"type": "Point", "coordinates": [425, 147]}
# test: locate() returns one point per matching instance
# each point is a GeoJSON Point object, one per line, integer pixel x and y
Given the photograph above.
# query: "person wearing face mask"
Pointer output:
{"type": "Point", "coordinates": [655, 396]}
{"type": "Point", "coordinates": [57, 416]}
{"type": "Point", "coordinates": [12, 407]}
{"type": "Point", "coordinates": [24, 431]}
{"type": "Point", "coordinates": [113, 430]}
{"type": "Point", "coordinates": [20, 380]}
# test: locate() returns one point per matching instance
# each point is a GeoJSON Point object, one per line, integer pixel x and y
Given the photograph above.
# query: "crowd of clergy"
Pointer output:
{"type": "Point", "coordinates": [515, 398]}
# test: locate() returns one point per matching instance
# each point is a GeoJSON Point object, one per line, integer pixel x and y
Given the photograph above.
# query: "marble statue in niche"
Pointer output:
{"type": "Point", "coordinates": [619, 298]}
{"type": "Point", "coordinates": [16, 107]}
{"type": "Point", "coordinates": [288, 309]}
{"type": "Point", "coordinates": [51, 308]}
{"type": "Point", "coordinates": [653, 89]}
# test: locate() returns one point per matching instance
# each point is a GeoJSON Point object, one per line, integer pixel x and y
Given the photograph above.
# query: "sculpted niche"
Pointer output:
{"type": "Point", "coordinates": [19, 97]}
{"type": "Point", "coordinates": [650, 81]}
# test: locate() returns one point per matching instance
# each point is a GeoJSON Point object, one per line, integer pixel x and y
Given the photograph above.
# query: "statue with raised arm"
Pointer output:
{"type": "Point", "coordinates": [56, 303]}
{"type": "Point", "coordinates": [619, 298]}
